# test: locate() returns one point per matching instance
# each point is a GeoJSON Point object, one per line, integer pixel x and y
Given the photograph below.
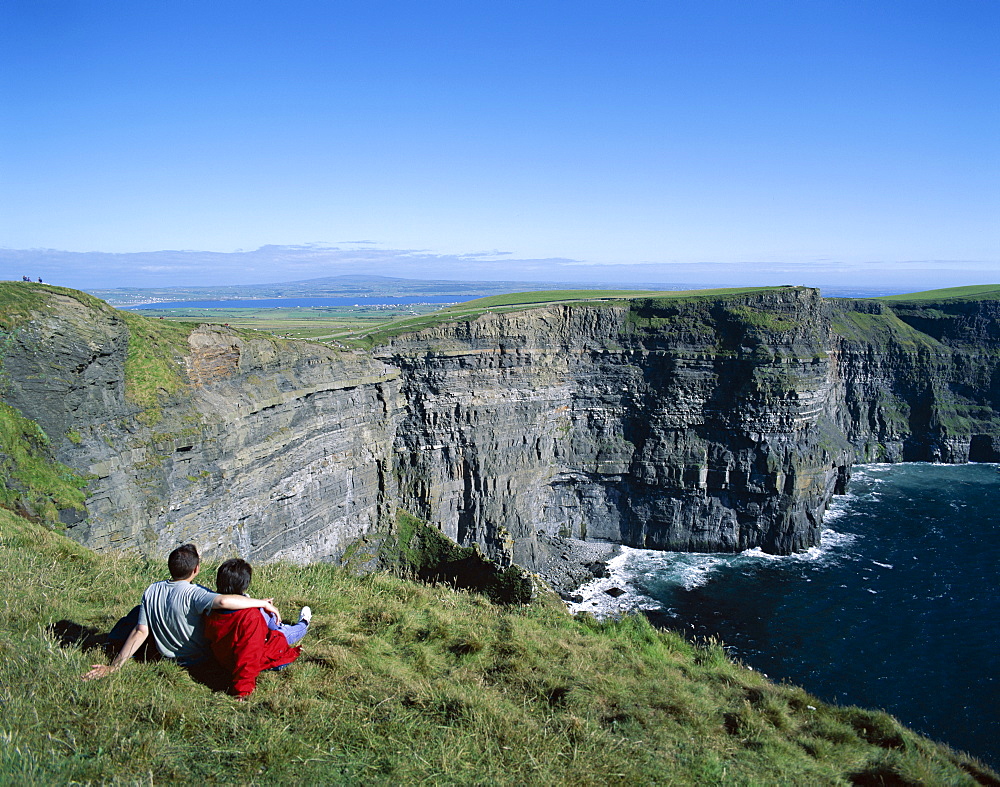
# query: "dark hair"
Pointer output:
{"type": "Point", "coordinates": [183, 561]}
{"type": "Point", "coordinates": [233, 576]}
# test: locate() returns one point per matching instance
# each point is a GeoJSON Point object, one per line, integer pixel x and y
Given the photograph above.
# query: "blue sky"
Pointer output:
{"type": "Point", "coordinates": [805, 135]}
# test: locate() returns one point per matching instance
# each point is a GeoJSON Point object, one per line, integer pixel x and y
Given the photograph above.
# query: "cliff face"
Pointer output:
{"type": "Point", "coordinates": [270, 449]}
{"type": "Point", "coordinates": [919, 383]}
{"type": "Point", "coordinates": [697, 424]}
{"type": "Point", "coordinates": [667, 425]}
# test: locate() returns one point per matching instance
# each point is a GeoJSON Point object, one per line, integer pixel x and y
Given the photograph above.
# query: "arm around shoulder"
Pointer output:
{"type": "Point", "coordinates": [232, 602]}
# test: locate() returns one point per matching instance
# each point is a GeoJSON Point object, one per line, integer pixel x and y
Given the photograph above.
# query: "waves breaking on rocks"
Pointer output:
{"type": "Point", "coordinates": [634, 573]}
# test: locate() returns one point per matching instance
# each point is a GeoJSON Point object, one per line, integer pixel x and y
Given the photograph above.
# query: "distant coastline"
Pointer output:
{"type": "Point", "coordinates": [299, 303]}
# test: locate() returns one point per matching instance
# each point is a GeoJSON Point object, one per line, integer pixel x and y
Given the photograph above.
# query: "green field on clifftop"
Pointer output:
{"type": "Point", "coordinates": [524, 300]}
{"type": "Point", "coordinates": [559, 296]}
{"type": "Point", "coordinates": [981, 292]}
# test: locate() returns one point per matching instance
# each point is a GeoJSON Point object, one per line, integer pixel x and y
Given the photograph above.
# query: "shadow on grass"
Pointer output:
{"type": "Point", "coordinates": [70, 634]}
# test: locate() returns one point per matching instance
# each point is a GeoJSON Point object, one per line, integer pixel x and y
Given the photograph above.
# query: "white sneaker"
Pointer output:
{"type": "Point", "coordinates": [306, 614]}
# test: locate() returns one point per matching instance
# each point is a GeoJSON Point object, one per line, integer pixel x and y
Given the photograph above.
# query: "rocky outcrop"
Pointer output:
{"type": "Point", "coordinates": [706, 423]}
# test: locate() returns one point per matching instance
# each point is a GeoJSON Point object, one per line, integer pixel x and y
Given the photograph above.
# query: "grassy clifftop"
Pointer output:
{"type": "Point", "coordinates": [406, 683]}
{"type": "Point", "coordinates": [20, 301]}
{"type": "Point", "coordinates": [980, 292]}
{"type": "Point", "coordinates": [520, 301]}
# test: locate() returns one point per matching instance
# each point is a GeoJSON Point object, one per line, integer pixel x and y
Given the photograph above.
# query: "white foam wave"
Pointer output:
{"type": "Point", "coordinates": [831, 540]}
{"type": "Point", "coordinates": [683, 569]}
{"type": "Point", "coordinates": [692, 571]}
{"type": "Point", "coordinates": [633, 568]}
{"type": "Point", "coordinates": [600, 603]}
{"type": "Point", "coordinates": [834, 512]}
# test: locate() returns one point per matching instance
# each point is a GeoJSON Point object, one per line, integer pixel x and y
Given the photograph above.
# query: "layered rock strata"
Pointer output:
{"type": "Point", "coordinates": [705, 423]}
{"type": "Point", "coordinates": [272, 449]}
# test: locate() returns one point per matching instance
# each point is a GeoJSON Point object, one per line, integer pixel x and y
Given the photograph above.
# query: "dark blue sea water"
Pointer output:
{"type": "Point", "coordinates": [898, 609]}
{"type": "Point", "coordinates": [291, 303]}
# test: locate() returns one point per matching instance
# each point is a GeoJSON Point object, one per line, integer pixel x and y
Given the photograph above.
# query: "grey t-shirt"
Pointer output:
{"type": "Point", "coordinates": [174, 612]}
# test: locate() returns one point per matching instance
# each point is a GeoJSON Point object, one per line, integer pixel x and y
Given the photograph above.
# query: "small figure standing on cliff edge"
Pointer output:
{"type": "Point", "coordinates": [173, 612]}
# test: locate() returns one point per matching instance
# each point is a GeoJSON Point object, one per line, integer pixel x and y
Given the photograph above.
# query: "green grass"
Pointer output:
{"type": "Point", "coordinates": [316, 323]}
{"type": "Point", "coordinates": [367, 338]}
{"type": "Point", "coordinates": [18, 300]}
{"type": "Point", "coordinates": [403, 683]}
{"type": "Point", "coordinates": [763, 319]}
{"type": "Point", "coordinates": [30, 480]}
{"type": "Point", "coordinates": [424, 552]}
{"type": "Point", "coordinates": [882, 328]}
{"type": "Point", "coordinates": [556, 296]}
{"type": "Point", "coordinates": [551, 296]}
{"type": "Point", "coordinates": [156, 349]}
{"type": "Point", "coordinates": [978, 292]}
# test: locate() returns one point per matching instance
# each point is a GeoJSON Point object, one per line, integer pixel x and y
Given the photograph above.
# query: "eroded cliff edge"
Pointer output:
{"type": "Point", "coordinates": [705, 423]}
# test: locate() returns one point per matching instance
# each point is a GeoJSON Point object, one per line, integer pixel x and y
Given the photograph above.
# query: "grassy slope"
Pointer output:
{"type": "Point", "coordinates": [152, 366]}
{"type": "Point", "coordinates": [29, 480]}
{"type": "Point", "coordinates": [878, 329]}
{"type": "Point", "coordinates": [405, 683]}
{"type": "Point", "coordinates": [973, 292]}
{"type": "Point", "coordinates": [301, 323]}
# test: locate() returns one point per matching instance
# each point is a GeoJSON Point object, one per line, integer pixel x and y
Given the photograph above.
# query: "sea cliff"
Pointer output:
{"type": "Point", "coordinates": [709, 423]}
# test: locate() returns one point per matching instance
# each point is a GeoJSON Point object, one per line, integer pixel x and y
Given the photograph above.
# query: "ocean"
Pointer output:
{"type": "Point", "coordinates": [898, 609]}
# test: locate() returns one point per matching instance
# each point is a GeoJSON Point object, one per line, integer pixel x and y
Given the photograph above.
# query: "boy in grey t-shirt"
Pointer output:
{"type": "Point", "coordinates": [172, 611]}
